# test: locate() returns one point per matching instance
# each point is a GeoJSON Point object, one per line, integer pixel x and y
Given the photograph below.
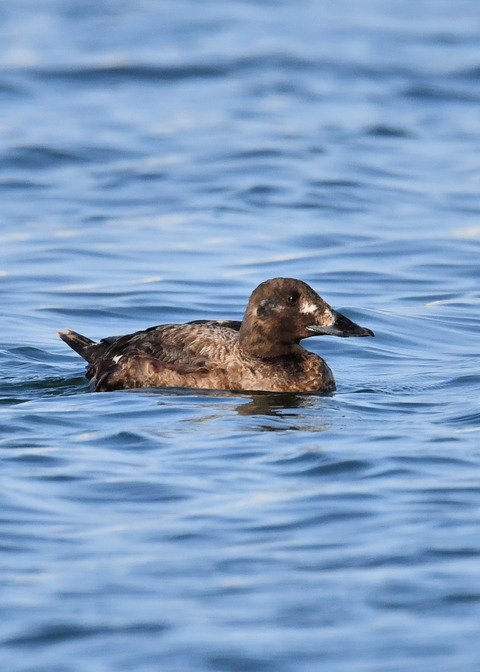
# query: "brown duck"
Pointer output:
{"type": "Point", "coordinates": [262, 352]}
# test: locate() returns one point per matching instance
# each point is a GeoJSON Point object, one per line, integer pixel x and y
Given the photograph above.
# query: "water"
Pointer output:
{"type": "Point", "coordinates": [158, 161]}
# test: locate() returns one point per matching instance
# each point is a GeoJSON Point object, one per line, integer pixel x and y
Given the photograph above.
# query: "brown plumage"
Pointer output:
{"type": "Point", "coordinates": [260, 353]}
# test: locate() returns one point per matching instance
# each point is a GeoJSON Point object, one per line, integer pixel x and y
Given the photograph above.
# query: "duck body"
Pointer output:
{"type": "Point", "coordinates": [260, 353]}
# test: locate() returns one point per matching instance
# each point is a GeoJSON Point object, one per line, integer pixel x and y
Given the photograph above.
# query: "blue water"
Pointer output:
{"type": "Point", "coordinates": [157, 161]}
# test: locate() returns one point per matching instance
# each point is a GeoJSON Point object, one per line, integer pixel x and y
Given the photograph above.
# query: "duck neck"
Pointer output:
{"type": "Point", "coordinates": [255, 342]}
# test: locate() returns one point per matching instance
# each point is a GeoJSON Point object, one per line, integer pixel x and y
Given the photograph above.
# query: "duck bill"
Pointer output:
{"type": "Point", "coordinates": [339, 326]}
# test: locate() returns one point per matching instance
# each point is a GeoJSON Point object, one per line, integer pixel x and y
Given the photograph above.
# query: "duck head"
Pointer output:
{"type": "Point", "coordinates": [283, 311]}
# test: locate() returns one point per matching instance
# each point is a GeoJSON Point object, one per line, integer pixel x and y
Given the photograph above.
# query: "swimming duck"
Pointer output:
{"type": "Point", "coordinates": [260, 353]}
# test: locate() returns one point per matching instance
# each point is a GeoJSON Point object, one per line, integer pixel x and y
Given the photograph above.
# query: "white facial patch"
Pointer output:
{"type": "Point", "coordinates": [329, 314]}
{"type": "Point", "coordinates": [117, 358]}
{"type": "Point", "coordinates": [327, 318]}
{"type": "Point", "coordinates": [308, 308]}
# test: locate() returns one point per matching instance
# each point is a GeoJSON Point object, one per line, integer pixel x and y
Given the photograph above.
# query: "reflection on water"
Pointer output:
{"type": "Point", "coordinates": [277, 404]}
{"type": "Point", "coordinates": [288, 409]}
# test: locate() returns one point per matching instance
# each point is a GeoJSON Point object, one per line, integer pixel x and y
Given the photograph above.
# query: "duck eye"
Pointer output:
{"type": "Point", "coordinates": [292, 298]}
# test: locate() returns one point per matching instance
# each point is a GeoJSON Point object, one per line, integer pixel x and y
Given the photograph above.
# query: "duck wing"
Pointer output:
{"type": "Point", "coordinates": [156, 356]}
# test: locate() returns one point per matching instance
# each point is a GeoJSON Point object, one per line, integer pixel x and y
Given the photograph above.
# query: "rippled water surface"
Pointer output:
{"type": "Point", "coordinates": [157, 161]}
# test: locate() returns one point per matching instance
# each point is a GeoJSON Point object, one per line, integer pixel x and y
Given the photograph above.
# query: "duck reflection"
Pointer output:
{"type": "Point", "coordinates": [276, 404]}
{"type": "Point", "coordinates": [299, 412]}
{"type": "Point", "coordinates": [285, 412]}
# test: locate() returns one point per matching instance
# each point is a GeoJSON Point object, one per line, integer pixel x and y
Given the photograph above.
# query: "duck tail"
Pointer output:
{"type": "Point", "coordinates": [81, 344]}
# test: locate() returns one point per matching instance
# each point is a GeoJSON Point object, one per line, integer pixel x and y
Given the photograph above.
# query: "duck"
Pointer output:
{"type": "Point", "coordinates": [260, 353]}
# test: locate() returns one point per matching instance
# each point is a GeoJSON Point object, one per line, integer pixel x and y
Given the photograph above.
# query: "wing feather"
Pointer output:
{"type": "Point", "coordinates": [191, 348]}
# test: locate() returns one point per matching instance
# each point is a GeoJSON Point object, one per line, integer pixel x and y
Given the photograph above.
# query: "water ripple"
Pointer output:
{"type": "Point", "coordinates": [158, 163]}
